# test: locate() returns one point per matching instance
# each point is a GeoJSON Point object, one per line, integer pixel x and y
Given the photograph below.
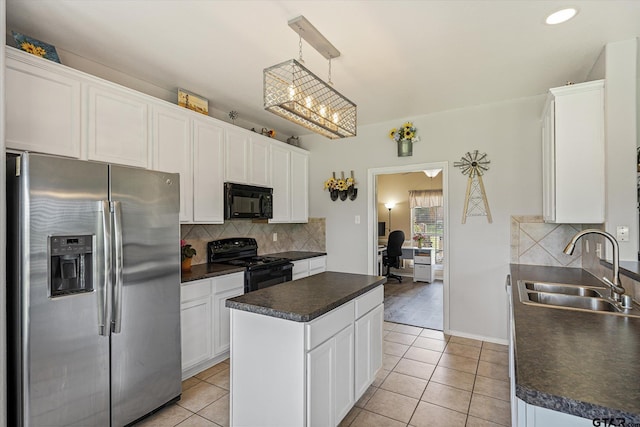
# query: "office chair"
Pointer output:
{"type": "Point", "coordinates": [394, 253]}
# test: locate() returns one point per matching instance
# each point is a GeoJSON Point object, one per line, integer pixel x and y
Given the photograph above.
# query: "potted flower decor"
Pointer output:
{"type": "Point", "coordinates": [187, 253]}
{"type": "Point", "coordinates": [420, 238]}
{"type": "Point", "coordinates": [404, 137]}
{"type": "Point", "coordinates": [341, 187]}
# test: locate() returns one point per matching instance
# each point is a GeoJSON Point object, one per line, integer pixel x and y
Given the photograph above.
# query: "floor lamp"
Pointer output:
{"type": "Point", "coordinates": [389, 206]}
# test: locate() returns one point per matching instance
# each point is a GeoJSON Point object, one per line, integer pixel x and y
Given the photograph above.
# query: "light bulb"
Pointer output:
{"type": "Point", "coordinates": [336, 118]}
{"type": "Point", "coordinates": [323, 111]}
{"type": "Point", "coordinates": [309, 102]}
{"type": "Point", "coordinates": [292, 92]}
{"type": "Point", "coordinates": [561, 16]}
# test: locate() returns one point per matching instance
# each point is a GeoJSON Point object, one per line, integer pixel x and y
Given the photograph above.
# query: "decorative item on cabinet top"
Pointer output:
{"type": "Point", "coordinates": [193, 102]}
{"type": "Point", "coordinates": [36, 47]}
{"type": "Point", "coordinates": [404, 137]}
{"type": "Point", "coordinates": [341, 187]}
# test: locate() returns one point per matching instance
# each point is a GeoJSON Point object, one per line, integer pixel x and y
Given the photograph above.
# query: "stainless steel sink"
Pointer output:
{"type": "Point", "coordinates": [561, 288]}
{"type": "Point", "coordinates": [572, 297]}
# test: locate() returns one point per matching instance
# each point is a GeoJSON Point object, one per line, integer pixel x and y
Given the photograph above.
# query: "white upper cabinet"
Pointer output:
{"type": "Point", "coordinates": [247, 157]}
{"type": "Point", "coordinates": [236, 147]}
{"type": "Point", "coordinates": [281, 182]}
{"type": "Point", "coordinates": [118, 126]}
{"type": "Point", "coordinates": [172, 152]}
{"type": "Point", "coordinates": [290, 181]}
{"type": "Point", "coordinates": [299, 187]}
{"type": "Point", "coordinates": [53, 109]}
{"type": "Point", "coordinates": [259, 161]}
{"type": "Point", "coordinates": [573, 154]}
{"type": "Point", "coordinates": [208, 172]}
{"type": "Point", "coordinates": [42, 106]}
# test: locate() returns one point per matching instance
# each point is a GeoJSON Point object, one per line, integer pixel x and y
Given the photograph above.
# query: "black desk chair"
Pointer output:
{"type": "Point", "coordinates": [394, 253]}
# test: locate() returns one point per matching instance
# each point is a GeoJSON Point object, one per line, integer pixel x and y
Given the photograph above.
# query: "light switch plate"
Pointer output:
{"type": "Point", "coordinates": [622, 233]}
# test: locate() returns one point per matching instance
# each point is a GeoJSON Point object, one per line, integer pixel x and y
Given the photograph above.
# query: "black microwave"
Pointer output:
{"type": "Point", "coordinates": [247, 201]}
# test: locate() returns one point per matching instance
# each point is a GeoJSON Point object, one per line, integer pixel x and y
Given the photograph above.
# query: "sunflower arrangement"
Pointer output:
{"type": "Point", "coordinates": [407, 132]}
{"type": "Point", "coordinates": [340, 184]}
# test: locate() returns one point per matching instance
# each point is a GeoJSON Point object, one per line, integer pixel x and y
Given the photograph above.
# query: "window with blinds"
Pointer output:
{"type": "Point", "coordinates": [430, 223]}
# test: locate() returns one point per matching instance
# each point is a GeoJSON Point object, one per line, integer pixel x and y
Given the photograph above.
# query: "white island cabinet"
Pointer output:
{"type": "Point", "coordinates": [289, 370]}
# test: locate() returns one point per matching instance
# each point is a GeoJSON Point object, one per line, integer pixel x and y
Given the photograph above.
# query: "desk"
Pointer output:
{"type": "Point", "coordinates": [423, 257]}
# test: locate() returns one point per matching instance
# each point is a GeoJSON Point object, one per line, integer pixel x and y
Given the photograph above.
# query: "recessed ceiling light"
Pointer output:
{"type": "Point", "coordinates": [561, 16]}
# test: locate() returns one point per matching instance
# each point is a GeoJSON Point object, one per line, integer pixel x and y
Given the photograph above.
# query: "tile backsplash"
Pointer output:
{"type": "Point", "coordinates": [536, 242]}
{"type": "Point", "coordinates": [291, 237]}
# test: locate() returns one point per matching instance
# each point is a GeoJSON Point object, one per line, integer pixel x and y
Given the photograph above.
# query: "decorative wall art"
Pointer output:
{"type": "Point", "coordinates": [193, 102]}
{"type": "Point", "coordinates": [474, 165]}
{"type": "Point", "coordinates": [36, 47]}
{"type": "Point", "coordinates": [404, 137]}
{"type": "Point", "coordinates": [341, 188]}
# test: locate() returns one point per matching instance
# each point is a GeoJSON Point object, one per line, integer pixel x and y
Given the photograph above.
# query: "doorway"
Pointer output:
{"type": "Point", "coordinates": [422, 303]}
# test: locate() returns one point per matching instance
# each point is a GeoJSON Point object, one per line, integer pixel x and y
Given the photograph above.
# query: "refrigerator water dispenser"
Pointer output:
{"type": "Point", "coordinates": [70, 265]}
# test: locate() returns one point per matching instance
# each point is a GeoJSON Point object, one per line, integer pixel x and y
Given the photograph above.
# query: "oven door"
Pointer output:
{"type": "Point", "coordinates": [268, 276]}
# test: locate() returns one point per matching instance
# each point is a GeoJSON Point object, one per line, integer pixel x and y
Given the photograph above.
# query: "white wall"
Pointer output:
{"type": "Point", "coordinates": [620, 149]}
{"type": "Point", "coordinates": [509, 133]}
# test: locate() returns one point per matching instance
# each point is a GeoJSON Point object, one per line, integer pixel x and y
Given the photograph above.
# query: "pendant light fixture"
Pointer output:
{"type": "Point", "coordinates": [296, 94]}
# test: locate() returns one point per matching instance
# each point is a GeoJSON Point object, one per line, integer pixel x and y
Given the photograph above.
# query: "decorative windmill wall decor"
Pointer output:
{"type": "Point", "coordinates": [474, 165]}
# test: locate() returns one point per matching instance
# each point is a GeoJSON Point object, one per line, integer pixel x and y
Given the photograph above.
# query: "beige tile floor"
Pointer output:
{"type": "Point", "coordinates": [427, 379]}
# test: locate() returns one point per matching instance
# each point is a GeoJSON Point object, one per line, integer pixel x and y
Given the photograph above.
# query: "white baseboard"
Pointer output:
{"type": "Point", "coordinates": [477, 337]}
{"type": "Point", "coordinates": [194, 370]}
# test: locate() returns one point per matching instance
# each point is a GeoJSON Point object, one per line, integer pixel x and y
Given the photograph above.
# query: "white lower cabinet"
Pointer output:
{"type": "Point", "coordinates": [195, 323]}
{"type": "Point", "coordinates": [330, 380]}
{"type": "Point", "coordinates": [308, 267]}
{"type": "Point", "coordinates": [204, 320]}
{"type": "Point", "coordinates": [536, 416]}
{"type": "Point", "coordinates": [368, 356]}
{"type": "Point", "coordinates": [225, 287]}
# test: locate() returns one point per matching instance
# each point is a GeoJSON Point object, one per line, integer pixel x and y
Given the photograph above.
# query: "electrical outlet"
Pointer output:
{"type": "Point", "coordinates": [357, 219]}
{"type": "Point", "coordinates": [275, 237]}
{"type": "Point", "coordinates": [599, 250]}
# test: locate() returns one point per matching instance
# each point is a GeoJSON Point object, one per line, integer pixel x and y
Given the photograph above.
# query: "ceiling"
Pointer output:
{"type": "Point", "coordinates": [399, 58]}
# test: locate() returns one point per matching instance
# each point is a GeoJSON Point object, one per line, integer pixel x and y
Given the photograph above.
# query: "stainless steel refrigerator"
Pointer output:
{"type": "Point", "coordinates": [93, 292]}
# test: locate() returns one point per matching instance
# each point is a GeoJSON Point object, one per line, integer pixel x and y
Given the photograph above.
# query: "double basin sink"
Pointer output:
{"type": "Point", "coordinates": [572, 297]}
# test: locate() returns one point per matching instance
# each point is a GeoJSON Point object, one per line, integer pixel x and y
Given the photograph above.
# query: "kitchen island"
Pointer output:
{"type": "Point", "coordinates": [576, 367]}
{"type": "Point", "coordinates": [303, 352]}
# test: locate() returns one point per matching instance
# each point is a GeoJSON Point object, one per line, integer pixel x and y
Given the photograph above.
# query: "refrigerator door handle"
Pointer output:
{"type": "Point", "coordinates": [104, 283]}
{"type": "Point", "coordinates": [117, 289]}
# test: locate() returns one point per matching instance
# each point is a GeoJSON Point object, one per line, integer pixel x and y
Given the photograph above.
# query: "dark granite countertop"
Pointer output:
{"type": "Point", "coordinates": [628, 268]}
{"type": "Point", "coordinates": [306, 299]}
{"type": "Point", "coordinates": [204, 271]}
{"type": "Point", "coordinates": [581, 363]}
{"type": "Point", "coordinates": [297, 255]}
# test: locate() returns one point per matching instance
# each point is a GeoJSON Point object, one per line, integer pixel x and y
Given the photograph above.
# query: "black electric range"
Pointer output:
{"type": "Point", "coordinates": [261, 271]}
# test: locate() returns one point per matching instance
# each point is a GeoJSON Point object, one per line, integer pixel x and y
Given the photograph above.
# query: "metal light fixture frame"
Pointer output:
{"type": "Point", "coordinates": [298, 95]}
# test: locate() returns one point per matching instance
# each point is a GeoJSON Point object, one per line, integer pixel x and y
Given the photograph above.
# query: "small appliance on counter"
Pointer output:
{"type": "Point", "coordinates": [247, 201]}
{"type": "Point", "coordinates": [261, 271]}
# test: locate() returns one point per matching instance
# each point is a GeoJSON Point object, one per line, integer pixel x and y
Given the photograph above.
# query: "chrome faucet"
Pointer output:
{"type": "Point", "coordinates": [616, 289]}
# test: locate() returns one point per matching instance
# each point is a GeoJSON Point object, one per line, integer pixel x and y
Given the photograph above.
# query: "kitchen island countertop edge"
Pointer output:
{"type": "Point", "coordinates": [306, 299]}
